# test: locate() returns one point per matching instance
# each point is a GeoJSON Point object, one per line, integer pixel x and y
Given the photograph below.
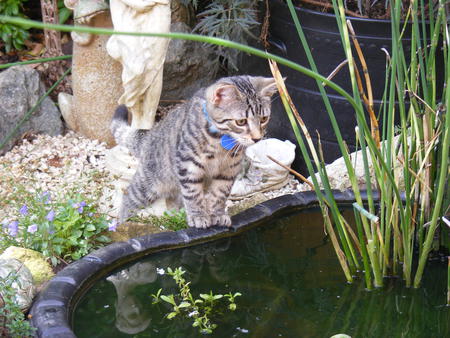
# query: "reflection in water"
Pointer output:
{"type": "Point", "coordinates": [131, 317]}
{"type": "Point", "coordinates": [291, 285]}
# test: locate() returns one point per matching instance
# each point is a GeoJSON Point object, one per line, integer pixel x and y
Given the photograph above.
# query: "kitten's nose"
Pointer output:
{"type": "Point", "coordinates": [256, 139]}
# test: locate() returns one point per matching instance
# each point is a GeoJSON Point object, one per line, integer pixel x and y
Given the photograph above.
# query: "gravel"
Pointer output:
{"type": "Point", "coordinates": [71, 162]}
{"type": "Point", "coordinates": [60, 165]}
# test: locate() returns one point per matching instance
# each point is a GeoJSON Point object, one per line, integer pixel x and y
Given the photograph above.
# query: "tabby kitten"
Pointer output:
{"type": "Point", "coordinates": [194, 154]}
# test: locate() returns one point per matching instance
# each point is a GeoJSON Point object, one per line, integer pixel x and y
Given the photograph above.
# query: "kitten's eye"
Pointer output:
{"type": "Point", "coordinates": [264, 119]}
{"type": "Point", "coordinates": [241, 122]}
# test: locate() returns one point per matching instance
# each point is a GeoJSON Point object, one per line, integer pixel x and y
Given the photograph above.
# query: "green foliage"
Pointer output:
{"type": "Point", "coordinates": [12, 323]}
{"type": "Point", "coordinates": [173, 220]}
{"type": "Point", "coordinates": [12, 35]}
{"type": "Point", "coordinates": [185, 305]}
{"type": "Point", "coordinates": [64, 13]}
{"type": "Point", "coordinates": [58, 229]}
{"type": "Point", "coordinates": [227, 19]}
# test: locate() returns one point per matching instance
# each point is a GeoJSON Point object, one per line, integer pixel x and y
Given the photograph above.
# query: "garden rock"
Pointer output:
{"type": "Point", "coordinates": [24, 283]}
{"type": "Point", "coordinates": [35, 262]}
{"type": "Point", "coordinates": [187, 67]}
{"type": "Point", "coordinates": [20, 89]}
{"type": "Point", "coordinates": [340, 180]}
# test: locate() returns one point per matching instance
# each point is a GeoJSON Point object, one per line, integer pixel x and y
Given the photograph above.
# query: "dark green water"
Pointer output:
{"type": "Point", "coordinates": [291, 285]}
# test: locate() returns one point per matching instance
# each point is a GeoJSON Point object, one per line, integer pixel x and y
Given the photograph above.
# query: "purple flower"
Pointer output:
{"type": "Point", "coordinates": [13, 228]}
{"type": "Point", "coordinates": [91, 214]}
{"type": "Point", "coordinates": [24, 210]}
{"type": "Point", "coordinates": [80, 206]}
{"type": "Point", "coordinates": [51, 216]}
{"type": "Point", "coordinates": [112, 225]}
{"type": "Point", "coordinates": [32, 228]}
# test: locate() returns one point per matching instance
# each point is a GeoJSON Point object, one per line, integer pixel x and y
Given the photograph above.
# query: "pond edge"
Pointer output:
{"type": "Point", "coordinates": [51, 311]}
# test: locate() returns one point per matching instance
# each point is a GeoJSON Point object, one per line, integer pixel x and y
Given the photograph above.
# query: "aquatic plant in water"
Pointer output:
{"type": "Point", "coordinates": [201, 309]}
{"type": "Point", "coordinates": [388, 233]}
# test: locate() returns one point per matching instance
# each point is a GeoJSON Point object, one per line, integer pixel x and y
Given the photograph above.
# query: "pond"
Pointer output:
{"type": "Point", "coordinates": [291, 286]}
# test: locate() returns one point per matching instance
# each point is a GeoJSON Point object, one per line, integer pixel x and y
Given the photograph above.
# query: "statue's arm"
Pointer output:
{"type": "Point", "coordinates": [143, 5]}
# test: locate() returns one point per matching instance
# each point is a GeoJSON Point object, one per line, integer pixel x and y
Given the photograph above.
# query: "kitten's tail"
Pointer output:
{"type": "Point", "coordinates": [122, 132]}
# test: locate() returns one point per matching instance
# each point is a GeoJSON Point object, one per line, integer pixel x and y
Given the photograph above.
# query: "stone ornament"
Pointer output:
{"type": "Point", "coordinates": [260, 173]}
{"type": "Point", "coordinates": [142, 58]}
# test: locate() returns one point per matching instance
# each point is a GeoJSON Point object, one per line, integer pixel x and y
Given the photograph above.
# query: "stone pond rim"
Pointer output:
{"type": "Point", "coordinates": [324, 40]}
{"type": "Point", "coordinates": [52, 310]}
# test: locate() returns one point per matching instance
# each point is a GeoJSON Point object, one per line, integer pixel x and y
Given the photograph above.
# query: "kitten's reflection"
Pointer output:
{"type": "Point", "coordinates": [130, 315]}
{"type": "Point", "coordinates": [208, 258]}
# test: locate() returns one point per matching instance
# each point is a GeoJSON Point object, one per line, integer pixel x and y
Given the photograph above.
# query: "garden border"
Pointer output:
{"type": "Point", "coordinates": [51, 311]}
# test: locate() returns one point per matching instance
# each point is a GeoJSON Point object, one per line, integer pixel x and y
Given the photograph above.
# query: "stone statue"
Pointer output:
{"type": "Point", "coordinates": [96, 77]}
{"type": "Point", "coordinates": [142, 58]}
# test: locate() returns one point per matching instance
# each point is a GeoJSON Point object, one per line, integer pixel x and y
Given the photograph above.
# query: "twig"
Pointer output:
{"type": "Point", "coordinates": [292, 171]}
{"type": "Point", "coordinates": [335, 71]}
{"type": "Point", "coordinates": [369, 99]}
{"type": "Point", "coordinates": [329, 6]}
{"type": "Point", "coordinates": [265, 27]}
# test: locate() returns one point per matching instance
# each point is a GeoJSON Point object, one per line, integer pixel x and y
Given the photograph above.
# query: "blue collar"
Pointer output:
{"type": "Point", "coordinates": [226, 141]}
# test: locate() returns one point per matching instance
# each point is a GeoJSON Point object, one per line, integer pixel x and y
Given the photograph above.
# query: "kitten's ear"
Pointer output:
{"type": "Point", "coordinates": [224, 94]}
{"type": "Point", "coordinates": [267, 86]}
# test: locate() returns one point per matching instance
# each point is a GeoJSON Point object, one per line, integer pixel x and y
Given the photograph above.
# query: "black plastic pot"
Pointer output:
{"type": "Point", "coordinates": [323, 37]}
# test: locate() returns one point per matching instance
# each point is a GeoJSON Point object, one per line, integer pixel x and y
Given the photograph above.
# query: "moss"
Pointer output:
{"type": "Point", "coordinates": [40, 269]}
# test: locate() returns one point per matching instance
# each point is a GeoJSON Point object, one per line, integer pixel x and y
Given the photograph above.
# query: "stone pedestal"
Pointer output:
{"type": "Point", "coordinates": [96, 83]}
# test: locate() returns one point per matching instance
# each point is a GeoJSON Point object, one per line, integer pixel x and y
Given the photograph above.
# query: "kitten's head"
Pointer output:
{"type": "Point", "coordinates": [240, 106]}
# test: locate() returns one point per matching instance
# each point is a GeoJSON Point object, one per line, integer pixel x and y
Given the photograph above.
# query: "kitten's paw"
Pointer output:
{"type": "Point", "coordinates": [201, 222]}
{"type": "Point", "coordinates": [221, 220]}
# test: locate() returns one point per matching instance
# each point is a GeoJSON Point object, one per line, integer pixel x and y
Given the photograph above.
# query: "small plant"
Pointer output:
{"type": "Point", "coordinates": [64, 13]}
{"type": "Point", "coordinates": [13, 36]}
{"type": "Point", "coordinates": [170, 220]}
{"type": "Point", "coordinates": [200, 310]}
{"type": "Point", "coordinates": [60, 230]}
{"type": "Point", "coordinates": [12, 321]}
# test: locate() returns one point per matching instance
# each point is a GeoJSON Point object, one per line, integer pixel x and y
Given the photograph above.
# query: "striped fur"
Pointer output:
{"type": "Point", "coordinates": [181, 158]}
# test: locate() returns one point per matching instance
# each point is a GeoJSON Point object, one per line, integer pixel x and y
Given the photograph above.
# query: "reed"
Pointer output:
{"type": "Point", "coordinates": [412, 200]}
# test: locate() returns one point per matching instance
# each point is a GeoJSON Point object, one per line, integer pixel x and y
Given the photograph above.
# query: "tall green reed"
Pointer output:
{"type": "Point", "coordinates": [410, 205]}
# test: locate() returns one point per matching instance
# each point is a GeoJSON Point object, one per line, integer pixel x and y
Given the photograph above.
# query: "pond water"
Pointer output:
{"type": "Point", "coordinates": [291, 286]}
